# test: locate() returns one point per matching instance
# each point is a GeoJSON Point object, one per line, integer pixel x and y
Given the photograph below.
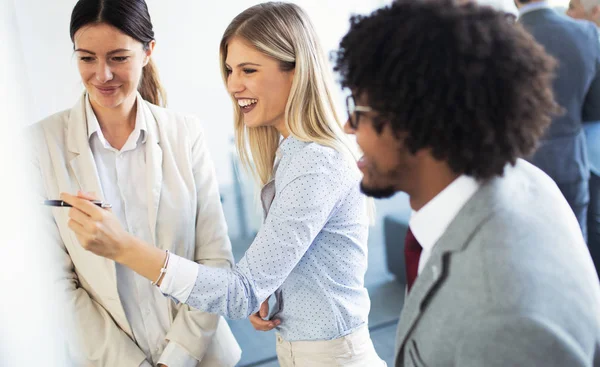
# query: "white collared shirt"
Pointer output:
{"type": "Point", "coordinates": [528, 8]}
{"type": "Point", "coordinates": [123, 180]}
{"type": "Point", "coordinates": [431, 221]}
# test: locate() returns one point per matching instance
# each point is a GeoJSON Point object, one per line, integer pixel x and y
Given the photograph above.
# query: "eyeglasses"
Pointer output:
{"type": "Point", "coordinates": [354, 111]}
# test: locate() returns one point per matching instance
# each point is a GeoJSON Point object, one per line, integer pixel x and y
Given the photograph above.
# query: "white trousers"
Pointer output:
{"type": "Point", "coordinates": [354, 350]}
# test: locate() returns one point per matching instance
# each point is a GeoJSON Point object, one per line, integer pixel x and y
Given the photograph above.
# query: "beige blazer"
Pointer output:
{"type": "Point", "coordinates": [186, 218]}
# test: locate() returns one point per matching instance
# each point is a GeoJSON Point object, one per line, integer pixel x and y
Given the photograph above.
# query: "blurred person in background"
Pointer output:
{"type": "Point", "coordinates": [152, 165]}
{"type": "Point", "coordinates": [562, 151]}
{"type": "Point", "coordinates": [311, 251]}
{"type": "Point", "coordinates": [586, 10]}
{"type": "Point", "coordinates": [590, 10]}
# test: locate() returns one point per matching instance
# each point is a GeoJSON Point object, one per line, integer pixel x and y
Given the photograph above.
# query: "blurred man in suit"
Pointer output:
{"type": "Point", "coordinates": [590, 10]}
{"type": "Point", "coordinates": [445, 100]}
{"type": "Point", "coordinates": [562, 152]}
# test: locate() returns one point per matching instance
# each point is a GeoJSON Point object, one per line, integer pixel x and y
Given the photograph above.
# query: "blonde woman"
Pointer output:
{"type": "Point", "coordinates": [311, 251]}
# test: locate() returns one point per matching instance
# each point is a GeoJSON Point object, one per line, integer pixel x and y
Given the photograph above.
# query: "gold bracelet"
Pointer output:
{"type": "Point", "coordinates": [163, 270]}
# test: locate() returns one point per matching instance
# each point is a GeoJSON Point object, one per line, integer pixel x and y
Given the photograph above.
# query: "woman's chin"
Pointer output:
{"type": "Point", "coordinates": [108, 101]}
{"type": "Point", "coordinates": [252, 123]}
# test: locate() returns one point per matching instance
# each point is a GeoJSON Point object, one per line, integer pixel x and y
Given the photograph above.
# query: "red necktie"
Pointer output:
{"type": "Point", "coordinates": [412, 253]}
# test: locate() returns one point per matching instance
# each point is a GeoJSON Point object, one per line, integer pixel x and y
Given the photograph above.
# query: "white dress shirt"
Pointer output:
{"type": "Point", "coordinates": [431, 221]}
{"type": "Point", "coordinates": [122, 176]}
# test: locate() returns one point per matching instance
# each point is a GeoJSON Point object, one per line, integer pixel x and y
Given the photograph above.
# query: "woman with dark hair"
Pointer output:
{"type": "Point", "coordinates": [152, 165]}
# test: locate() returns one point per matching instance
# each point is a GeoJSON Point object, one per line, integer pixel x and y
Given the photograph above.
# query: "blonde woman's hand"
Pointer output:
{"type": "Point", "coordinates": [98, 230]}
{"type": "Point", "coordinates": [257, 319]}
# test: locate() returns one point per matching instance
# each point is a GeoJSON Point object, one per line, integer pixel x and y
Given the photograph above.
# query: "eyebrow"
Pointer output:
{"type": "Point", "coordinates": [244, 64]}
{"type": "Point", "coordinates": [110, 53]}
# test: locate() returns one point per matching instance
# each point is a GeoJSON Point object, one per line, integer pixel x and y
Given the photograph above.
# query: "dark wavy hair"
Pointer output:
{"type": "Point", "coordinates": [458, 79]}
{"type": "Point", "coordinates": [132, 18]}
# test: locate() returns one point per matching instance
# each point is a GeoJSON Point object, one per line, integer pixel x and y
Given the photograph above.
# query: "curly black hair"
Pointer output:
{"type": "Point", "coordinates": [459, 79]}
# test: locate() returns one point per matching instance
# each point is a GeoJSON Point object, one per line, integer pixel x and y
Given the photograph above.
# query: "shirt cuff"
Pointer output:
{"type": "Point", "coordinates": [180, 278]}
{"type": "Point", "coordinates": [175, 355]}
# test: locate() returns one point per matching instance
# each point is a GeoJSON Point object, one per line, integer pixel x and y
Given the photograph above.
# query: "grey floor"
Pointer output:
{"type": "Point", "coordinates": [387, 295]}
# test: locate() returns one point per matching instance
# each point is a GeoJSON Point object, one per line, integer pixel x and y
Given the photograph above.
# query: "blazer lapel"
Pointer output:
{"type": "Point", "coordinates": [154, 159]}
{"type": "Point", "coordinates": [536, 16]}
{"type": "Point", "coordinates": [82, 162]}
{"type": "Point", "coordinates": [84, 168]}
{"type": "Point", "coordinates": [423, 288]}
{"type": "Point", "coordinates": [475, 212]}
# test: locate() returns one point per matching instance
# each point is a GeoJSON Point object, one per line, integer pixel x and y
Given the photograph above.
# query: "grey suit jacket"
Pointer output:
{"type": "Point", "coordinates": [562, 153]}
{"type": "Point", "coordinates": [510, 283]}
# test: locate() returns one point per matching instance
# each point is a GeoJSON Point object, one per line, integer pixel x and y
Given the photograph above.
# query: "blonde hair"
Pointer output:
{"type": "Point", "coordinates": [284, 32]}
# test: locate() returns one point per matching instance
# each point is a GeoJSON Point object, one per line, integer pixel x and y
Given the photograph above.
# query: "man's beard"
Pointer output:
{"type": "Point", "coordinates": [377, 193]}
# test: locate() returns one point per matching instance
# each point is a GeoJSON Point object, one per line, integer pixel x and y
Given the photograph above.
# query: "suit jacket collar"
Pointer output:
{"type": "Point", "coordinates": [84, 167]}
{"type": "Point", "coordinates": [93, 126]}
{"type": "Point", "coordinates": [81, 159]}
{"type": "Point", "coordinates": [77, 127]}
{"type": "Point", "coordinates": [534, 6]}
{"type": "Point", "coordinates": [77, 124]}
{"type": "Point", "coordinates": [536, 15]}
{"type": "Point", "coordinates": [431, 221]}
{"type": "Point", "coordinates": [473, 215]}
{"type": "Point", "coordinates": [154, 161]}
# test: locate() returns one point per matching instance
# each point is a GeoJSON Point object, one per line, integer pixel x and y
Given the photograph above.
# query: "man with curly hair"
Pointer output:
{"type": "Point", "coordinates": [446, 101]}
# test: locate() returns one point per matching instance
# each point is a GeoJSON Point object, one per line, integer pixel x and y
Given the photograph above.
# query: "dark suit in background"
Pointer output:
{"type": "Point", "coordinates": [562, 153]}
{"type": "Point", "coordinates": [592, 132]}
{"type": "Point", "coordinates": [593, 221]}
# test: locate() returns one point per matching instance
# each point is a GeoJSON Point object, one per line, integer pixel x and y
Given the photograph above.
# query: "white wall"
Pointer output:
{"type": "Point", "coordinates": [504, 5]}
{"type": "Point", "coordinates": [509, 5]}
